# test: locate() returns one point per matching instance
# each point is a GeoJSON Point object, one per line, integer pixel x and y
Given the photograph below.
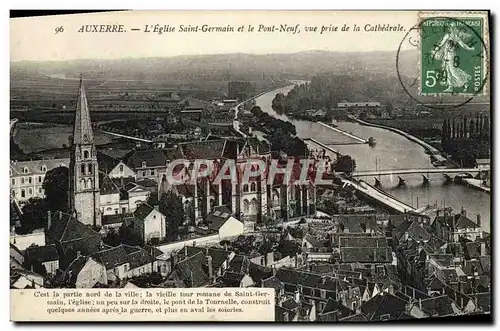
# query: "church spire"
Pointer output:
{"type": "Point", "coordinates": [82, 132]}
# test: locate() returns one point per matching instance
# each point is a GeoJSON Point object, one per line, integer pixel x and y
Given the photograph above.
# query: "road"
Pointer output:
{"type": "Point", "coordinates": [380, 196]}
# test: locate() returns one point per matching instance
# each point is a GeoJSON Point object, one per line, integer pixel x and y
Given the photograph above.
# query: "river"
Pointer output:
{"type": "Point", "coordinates": [392, 151]}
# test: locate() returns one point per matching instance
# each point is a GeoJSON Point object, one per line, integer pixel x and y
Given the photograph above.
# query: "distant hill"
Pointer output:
{"type": "Point", "coordinates": [375, 72]}
{"type": "Point", "coordinates": [303, 65]}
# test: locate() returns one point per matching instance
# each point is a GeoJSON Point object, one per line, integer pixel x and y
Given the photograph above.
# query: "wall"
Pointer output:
{"type": "Point", "coordinates": [122, 270]}
{"type": "Point", "coordinates": [174, 247]}
{"type": "Point", "coordinates": [90, 274]}
{"type": "Point", "coordinates": [145, 269]}
{"type": "Point", "coordinates": [154, 226]}
{"type": "Point", "coordinates": [29, 280]}
{"type": "Point", "coordinates": [126, 171]}
{"type": "Point", "coordinates": [135, 199]}
{"type": "Point", "coordinates": [51, 266]}
{"type": "Point", "coordinates": [110, 203]}
{"type": "Point", "coordinates": [26, 240]}
{"type": "Point", "coordinates": [232, 228]}
{"type": "Point", "coordinates": [247, 281]}
{"type": "Point", "coordinates": [150, 172]}
{"type": "Point", "coordinates": [31, 189]}
{"type": "Point", "coordinates": [287, 261]}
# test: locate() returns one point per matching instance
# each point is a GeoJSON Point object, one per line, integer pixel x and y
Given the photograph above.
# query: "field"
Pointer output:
{"type": "Point", "coordinates": [407, 124]}
{"type": "Point", "coordinates": [36, 137]}
{"type": "Point", "coordinates": [39, 92]}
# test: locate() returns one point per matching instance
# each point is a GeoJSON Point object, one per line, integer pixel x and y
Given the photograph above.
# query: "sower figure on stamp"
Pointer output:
{"type": "Point", "coordinates": [445, 51]}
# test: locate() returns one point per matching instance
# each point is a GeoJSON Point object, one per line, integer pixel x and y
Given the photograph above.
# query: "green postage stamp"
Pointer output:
{"type": "Point", "coordinates": [453, 55]}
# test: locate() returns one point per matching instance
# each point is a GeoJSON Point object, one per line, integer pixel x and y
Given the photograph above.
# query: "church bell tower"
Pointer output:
{"type": "Point", "coordinates": [84, 197]}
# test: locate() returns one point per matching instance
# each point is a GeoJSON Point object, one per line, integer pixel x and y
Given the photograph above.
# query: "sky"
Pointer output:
{"type": "Point", "coordinates": [56, 38]}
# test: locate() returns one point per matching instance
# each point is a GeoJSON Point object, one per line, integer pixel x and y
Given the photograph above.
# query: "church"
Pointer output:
{"type": "Point", "coordinates": [94, 193]}
{"type": "Point", "coordinates": [84, 195]}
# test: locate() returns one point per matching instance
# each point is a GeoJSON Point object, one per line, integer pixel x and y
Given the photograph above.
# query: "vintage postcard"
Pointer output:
{"type": "Point", "coordinates": [261, 166]}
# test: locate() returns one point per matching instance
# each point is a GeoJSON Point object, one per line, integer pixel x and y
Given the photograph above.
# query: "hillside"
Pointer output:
{"type": "Point", "coordinates": [374, 72]}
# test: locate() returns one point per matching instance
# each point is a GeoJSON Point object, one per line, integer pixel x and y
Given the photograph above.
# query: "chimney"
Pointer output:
{"type": "Point", "coordinates": [49, 219]}
{"type": "Point", "coordinates": [172, 261]}
{"type": "Point", "coordinates": [297, 295]}
{"type": "Point", "coordinates": [210, 267]}
{"type": "Point", "coordinates": [60, 215]}
{"type": "Point", "coordinates": [78, 254]}
{"type": "Point", "coordinates": [285, 316]}
{"type": "Point", "coordinates": [157, 207]}
{"type": "Point", "coordinates": [391, 289]}
{"type": "Point", "coordinates": [483, 248]}
{"type": "Point", "coordinates": [185, 251]}
{"type": "Point", "coordinates": [478, 220]}
{"type": "Point", "coordinates": [420, 303]}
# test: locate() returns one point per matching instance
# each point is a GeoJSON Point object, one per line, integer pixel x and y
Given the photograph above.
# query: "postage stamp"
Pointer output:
{"type": "Point", "coordinates": [452, 56]}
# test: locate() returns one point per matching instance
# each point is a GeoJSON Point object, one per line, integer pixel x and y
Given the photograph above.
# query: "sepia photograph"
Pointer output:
{"type": "Point", "coordinates": [276, 166]}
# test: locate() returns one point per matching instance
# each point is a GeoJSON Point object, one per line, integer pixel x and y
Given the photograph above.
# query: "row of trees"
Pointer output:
{"type": "Point", "coordinates": [281, 134]}
{"type": "Point", "coordinates": [465, 128]}
{"type": "Point", "coordinates": [466, 139]}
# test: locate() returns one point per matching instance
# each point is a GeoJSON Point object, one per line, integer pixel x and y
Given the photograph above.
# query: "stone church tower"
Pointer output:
{"type": "Point", "coordinates": [84, 197]}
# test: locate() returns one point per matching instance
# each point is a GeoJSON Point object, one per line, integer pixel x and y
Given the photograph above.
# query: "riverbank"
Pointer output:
{"type": "Point", "coordinates": [391, 151]}
{"type": "Point", "coordinates": [433, 151]}
{"type": "Point", "coordinates": [314, 143]}
{"type": "Point", "coordinates": [358, 139]}
{"type": "Point", "coordinates": [476, 184]}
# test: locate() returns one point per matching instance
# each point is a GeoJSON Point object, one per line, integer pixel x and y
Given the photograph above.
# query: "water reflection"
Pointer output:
{"type": "Point", "coordinates": [392, 151]}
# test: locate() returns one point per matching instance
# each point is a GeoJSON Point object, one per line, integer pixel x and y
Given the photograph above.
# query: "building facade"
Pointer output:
{"type": "Point", "coordinates": [26, 177]}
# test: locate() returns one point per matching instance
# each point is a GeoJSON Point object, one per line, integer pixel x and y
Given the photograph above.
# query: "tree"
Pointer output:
{"type": "Point", "coordinates": [345, 164]}
{"type": "Point", "coordinates": [170, 205]}
{"type": "Point", "coordinates": [34, 214]}
{"type": "Point", "coordinates": [472, 128]}
{"type": "Point", "coordinates": [56, 186]}
{"type": "Point", "coordinates": [453, 129]}
{"type": "Point", "coordinates": [464, 126]}
{"type": "Point", "coordinates": [444, 130]}
{"type": "Point", "coordinates": [112, 238]}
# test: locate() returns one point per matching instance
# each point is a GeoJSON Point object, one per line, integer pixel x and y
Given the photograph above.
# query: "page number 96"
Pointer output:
{"type": "Point", "coordinates": [59, 29]}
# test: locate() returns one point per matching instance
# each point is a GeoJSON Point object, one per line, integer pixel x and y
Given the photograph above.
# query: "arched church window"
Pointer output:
{"type": "Point", "coordinates": [245, 188]}
{"type": "Point", "coordinates": [91, 167]}
{"type": "Point", "coordinates": [82, 169]}
{"type": "Point", "coordinates": [254, 206]}
{"type": "Point", "coordinates": [84, 184]}
{"type": "Point", "coordinates": [89, 183]}
{"type": "Point", "coordinates": [85, 154]}
{"type": "Point", "coordinates": [253, 187]}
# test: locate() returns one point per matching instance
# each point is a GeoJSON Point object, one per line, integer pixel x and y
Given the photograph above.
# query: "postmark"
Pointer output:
{"type": "Point", "coordinates": [451, 56]}
{"type": "Point", "coordinates": [422, 44]}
